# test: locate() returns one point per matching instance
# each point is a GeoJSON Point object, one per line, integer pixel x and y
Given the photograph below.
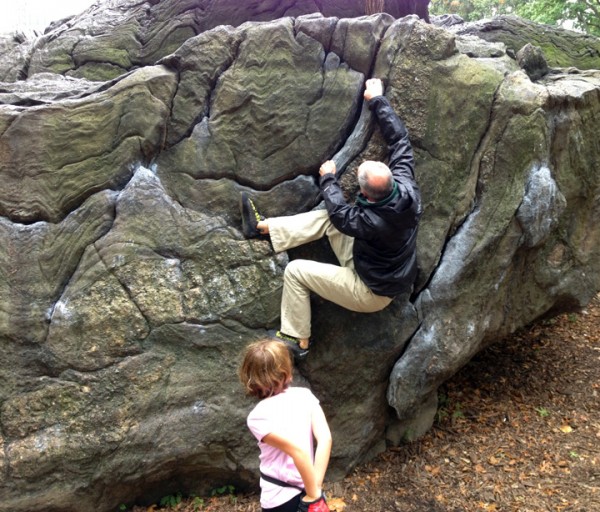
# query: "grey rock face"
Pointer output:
{"type": "Point", "coordinates": [127, 291]}
{"type": "Point", "coordinates": [15, 50]}
{"type": "Point", "coordinates": [562, 48]}
{"type": "Point", "coordinates": [116, 36]}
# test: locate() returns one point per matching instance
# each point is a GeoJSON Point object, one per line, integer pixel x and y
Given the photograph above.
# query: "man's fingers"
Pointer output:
{"type": "Point", "coordinates": [373, 87]}
{"type": "Point", "coordinates": [327, 167]}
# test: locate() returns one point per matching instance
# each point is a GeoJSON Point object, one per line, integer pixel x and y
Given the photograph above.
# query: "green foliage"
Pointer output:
{"type": "Point", "coordinates": [408, 436]}
{"type": "Point", "coordinates": [442, 412]}
{"type": "Point", "coordinates": [171, 500]}
{"type": "Point", "coordinates": [550, 12]}
{"type": "Point", "coordinates": [543, 412]}
{"type": "Point", "coordinates": [448, 410]}
{"type": "Point", "coordinates": [193, 502]}
{"type": "Point", "coordinates": [228, 490]}
{"type": "Point", "coordinates": [471, 10]}
{"type": "Point", "coordinates": [457, 413]}
{"type": "Point", "coordinates": [197, 503]}
{"type": "Point", "coordinates": [225, 489]}
{"type": "Point", "coordinates": [586, 15]}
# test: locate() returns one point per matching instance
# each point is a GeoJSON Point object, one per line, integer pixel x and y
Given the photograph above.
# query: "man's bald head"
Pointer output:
{"type": "Point", "coordinates": [375, 180]}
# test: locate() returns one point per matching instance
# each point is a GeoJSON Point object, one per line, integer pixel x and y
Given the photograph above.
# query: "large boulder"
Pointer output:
{"type": "Point", "coordinates": [561, 48]}
{"type": "Point", "coordinates": [127, 291]}
{"type": "Point", "coordinates": [115, 36]}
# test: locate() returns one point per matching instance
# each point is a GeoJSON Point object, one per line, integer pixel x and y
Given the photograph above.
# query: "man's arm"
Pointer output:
{"type": "Point", "coordinates": [401, 159]}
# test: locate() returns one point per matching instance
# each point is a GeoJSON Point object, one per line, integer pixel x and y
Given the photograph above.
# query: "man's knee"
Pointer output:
{"type": "Point", "coordinates": [294, 270]}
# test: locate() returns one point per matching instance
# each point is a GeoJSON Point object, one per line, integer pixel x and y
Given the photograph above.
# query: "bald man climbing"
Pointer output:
{"type": "Point", "coordinates": [374, 239]}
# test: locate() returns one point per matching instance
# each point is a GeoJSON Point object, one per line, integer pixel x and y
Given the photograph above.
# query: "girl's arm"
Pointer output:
{"type": "Point", "coordinates": [302, 461]}
{"type": "Point", "coordinates": [322, 434]}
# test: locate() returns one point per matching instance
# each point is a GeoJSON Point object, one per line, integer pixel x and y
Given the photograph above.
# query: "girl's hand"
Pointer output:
{"type": "Point", "coordinates": [318, 505]}
{"type": "Point", "coordinates": [311, 499]}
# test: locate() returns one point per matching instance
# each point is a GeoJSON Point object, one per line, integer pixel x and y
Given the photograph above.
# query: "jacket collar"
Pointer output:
{"type": "Point", "coordinates": [362, 200]}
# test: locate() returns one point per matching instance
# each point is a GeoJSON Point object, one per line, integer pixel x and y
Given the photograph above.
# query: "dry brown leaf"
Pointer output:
{"type": "Point", "coordinates": [336, 504]}
{"type": "Point", "coordinates": [434, 470]}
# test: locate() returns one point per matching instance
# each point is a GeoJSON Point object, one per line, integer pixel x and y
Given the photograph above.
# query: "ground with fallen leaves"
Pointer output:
{"type": "Point", "coordinates": [518, 430]}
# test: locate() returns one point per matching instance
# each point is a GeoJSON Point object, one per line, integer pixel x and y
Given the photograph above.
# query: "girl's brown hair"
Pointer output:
{"type": "Point", "coordinates": [266, 369]}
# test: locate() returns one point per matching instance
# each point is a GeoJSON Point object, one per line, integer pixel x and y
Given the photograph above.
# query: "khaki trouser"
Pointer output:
{"type": "Point", "coordinates": [338, 284]}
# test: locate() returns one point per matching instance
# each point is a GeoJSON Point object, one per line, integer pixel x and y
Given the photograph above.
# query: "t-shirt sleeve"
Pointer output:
{"type": "Point", "coordinates": [258, 422]}
{"type": "Point", "coordinates": [271, 415]}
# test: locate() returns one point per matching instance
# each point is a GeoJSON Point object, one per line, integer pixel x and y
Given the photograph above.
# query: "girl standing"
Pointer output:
{"type": "Point", "coordinates": [284, 422]}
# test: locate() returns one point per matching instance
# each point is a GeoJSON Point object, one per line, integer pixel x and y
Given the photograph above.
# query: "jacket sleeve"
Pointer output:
{"type": "Point", "coordinates": [345, 217]}
{"type": "Point", "coordinates": [401, 159]}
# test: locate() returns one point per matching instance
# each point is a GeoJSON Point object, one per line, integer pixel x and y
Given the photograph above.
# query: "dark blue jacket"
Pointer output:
{"type": "Point", "coordinates": [385, 232]}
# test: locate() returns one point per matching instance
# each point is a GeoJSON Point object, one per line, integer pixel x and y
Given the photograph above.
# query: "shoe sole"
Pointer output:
{"type": "Point", "coordinates": [248, 226]}
{"type": "Point", "coordinates": [297, 352]}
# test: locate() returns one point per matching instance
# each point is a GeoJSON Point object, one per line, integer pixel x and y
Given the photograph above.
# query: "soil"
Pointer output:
{"type": "Point", "coordinates": [518, 430]}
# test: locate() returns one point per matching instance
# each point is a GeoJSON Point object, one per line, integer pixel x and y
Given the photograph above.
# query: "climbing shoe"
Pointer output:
{"type": "Point", "coordinates": [292, 343]}
{"type": "Point", "coordinates": [250, 217]}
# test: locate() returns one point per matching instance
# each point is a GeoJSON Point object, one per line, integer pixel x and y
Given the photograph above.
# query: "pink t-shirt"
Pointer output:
{"type": "Point", "coordinates": [288, 414]}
